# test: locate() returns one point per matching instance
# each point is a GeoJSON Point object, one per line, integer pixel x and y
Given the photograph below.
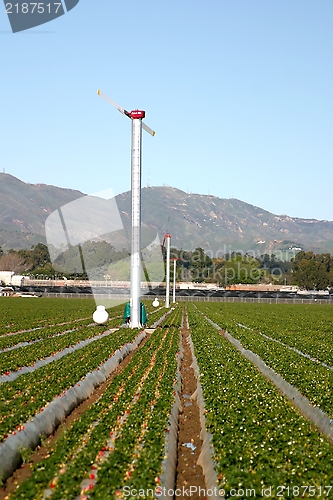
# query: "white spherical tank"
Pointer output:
{"type": "Point", "coordinates": [101, 315]}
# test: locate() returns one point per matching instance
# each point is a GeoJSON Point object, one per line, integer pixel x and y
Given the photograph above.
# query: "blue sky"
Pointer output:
{"type": "Point", "coordinates": [238, 91]}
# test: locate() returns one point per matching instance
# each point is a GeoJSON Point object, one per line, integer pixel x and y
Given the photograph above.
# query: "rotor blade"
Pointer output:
{"type": "Point", "coordinates": [110, 101]}
{"type": "Point", "coordinates": [148, 129]}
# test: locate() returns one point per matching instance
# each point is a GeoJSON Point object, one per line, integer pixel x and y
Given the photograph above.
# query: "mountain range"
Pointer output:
{"type": "Point", "coordinates": [217, 224]}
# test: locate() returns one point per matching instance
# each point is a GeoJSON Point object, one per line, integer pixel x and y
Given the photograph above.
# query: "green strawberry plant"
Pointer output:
{"type": "Point", "coordinates": [259, 439]}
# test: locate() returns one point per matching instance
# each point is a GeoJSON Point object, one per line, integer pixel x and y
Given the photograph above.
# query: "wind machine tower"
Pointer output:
{"type": "Point", "coordinates": [137, 125]}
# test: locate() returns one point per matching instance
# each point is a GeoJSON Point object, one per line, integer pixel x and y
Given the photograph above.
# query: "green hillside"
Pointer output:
{"type": "Point", "coordinates": [24, 209]}
{"type": "Point", "coordinates": [224, 225]}
{"type": "Point", "coordinates": [194, 220]}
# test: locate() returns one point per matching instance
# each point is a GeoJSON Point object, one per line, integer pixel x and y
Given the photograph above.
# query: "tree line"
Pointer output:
{"type": "Point", "coordinates": [307, 269]}
{"type": "Point", "coordinates": [72, 263]}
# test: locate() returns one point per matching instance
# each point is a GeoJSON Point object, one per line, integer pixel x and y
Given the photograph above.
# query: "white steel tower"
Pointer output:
{"type": "Point", "coordinates": [174, 279]}
{"type": "Point", "coordinates": [167, 238]}
{"type": "Point", "coordinates": [137, 125]}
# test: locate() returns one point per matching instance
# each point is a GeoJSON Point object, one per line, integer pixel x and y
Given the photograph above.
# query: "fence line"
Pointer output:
{"type": "Point", "coordinates": [194, 298]}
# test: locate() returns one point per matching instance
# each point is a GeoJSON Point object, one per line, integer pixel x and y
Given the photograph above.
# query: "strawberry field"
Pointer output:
{"type": "Point", "coordinates": [295, 340]}
{"type": "Point", "coordinates": [52, 357]}
{"type": "Point", "coordinates": [122, 433]}
{"type": "Point", "coordinates": [260, 440]}
{"type": "Point", "coordinates": [43, 360]}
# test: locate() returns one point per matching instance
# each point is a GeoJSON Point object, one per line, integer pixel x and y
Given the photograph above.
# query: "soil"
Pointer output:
{"type": "Point", "coordinates": [189, 473]}
{"type": "Point", "coordinates": [42, 451]}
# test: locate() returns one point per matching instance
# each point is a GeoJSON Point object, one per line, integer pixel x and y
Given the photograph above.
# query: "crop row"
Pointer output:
{"type": "Point", "coordinates": [259, 439]}
{"type": "Point", "coordinates": [312, 379]}
{"type": "Point", "coordinates": [304, 327]}
{"type": "Point", "coordinates": [120, 439]}
{"type": "Point", "coordinates": [28, 355]}
{"type": "Point", "coordinates": [21, 314]}
{"type": "Point", "coordinates": [22, 398]}
{"type": "Point", "coordinates": [17, 338]}
{"type": "Point", "coordinates": [153, 313]}
{"type": "Point", "coordinates": [24, 349]}
{"type": "Point", "coordinates": [45, 331]}
{"type": "Point", "coordinates": [28, 394]}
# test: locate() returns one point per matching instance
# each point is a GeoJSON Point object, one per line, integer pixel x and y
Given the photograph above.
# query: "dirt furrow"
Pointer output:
{"type": "Point", "coordinates": [188, 472]}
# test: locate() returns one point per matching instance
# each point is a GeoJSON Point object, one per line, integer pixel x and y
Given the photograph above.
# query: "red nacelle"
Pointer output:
{"type": "Point", "coordinates": [136, 113]}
